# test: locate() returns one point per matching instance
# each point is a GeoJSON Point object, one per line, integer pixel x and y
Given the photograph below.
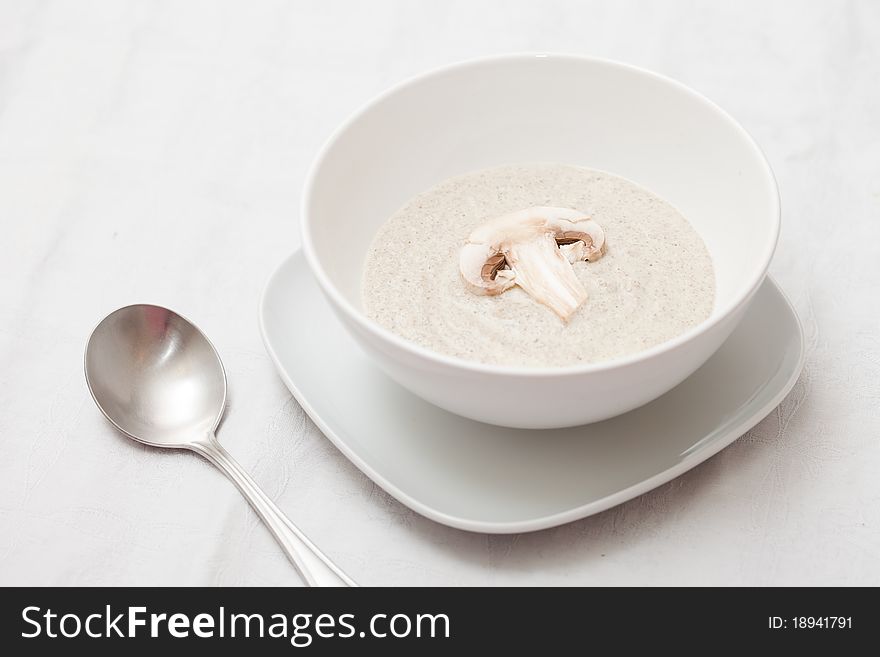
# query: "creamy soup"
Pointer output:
{"type": "Point", "coordinates": [653, 280]}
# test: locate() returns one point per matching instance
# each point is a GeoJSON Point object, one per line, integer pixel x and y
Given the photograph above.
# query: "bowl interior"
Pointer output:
{"type": "Point", "coordinates": [552, 108]}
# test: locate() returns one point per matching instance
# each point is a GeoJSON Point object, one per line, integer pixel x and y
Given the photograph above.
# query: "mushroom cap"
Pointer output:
{"type": "Point", "coordinates": [473, 261]}
{"type": "Point", "coordinates": [567, 225]}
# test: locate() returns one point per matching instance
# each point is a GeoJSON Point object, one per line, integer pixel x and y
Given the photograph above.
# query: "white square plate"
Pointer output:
{"type": "Point", "coordinates": [490, 479]}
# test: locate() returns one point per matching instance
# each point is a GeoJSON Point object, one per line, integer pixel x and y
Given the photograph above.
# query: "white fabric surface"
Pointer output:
{"type": "Point", "coordinates": [156, 152]}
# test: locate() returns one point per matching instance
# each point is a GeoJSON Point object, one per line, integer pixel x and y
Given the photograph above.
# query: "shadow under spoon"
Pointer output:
{"type": "Point", "coordinates": [159, 380]}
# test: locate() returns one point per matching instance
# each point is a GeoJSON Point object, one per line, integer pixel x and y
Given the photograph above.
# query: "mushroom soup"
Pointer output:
{"type": "Point", "coordinates": [538, 265]}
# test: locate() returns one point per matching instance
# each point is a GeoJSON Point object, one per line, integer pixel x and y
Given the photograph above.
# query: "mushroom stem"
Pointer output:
{"type": "Point", "coordinates": [546, 275]}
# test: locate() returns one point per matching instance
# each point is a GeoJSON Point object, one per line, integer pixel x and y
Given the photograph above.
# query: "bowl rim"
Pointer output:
{"type": "Point", "coordinates": [371, 326]}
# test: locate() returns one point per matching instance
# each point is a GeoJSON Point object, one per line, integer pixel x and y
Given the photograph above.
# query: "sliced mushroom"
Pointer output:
{"type": "Point", "coordinates": [533, 248]}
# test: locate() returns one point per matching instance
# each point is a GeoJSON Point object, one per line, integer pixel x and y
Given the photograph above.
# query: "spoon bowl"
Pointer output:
{"type": "Point", "coordinates": [160, 381]}
{"type": "Point", "coordinates": [155, 376]}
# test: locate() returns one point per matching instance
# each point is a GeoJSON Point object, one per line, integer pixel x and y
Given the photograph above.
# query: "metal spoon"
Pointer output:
{"type": "Point", "coordinates": [159, 380]}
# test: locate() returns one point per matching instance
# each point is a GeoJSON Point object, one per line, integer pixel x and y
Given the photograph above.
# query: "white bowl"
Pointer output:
{"type": "Point", "coordinates": [527, 108]}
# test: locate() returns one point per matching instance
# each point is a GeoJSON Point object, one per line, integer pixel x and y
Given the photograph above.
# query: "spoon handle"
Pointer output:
{"type": "Point", "coordinates": [315, 568]}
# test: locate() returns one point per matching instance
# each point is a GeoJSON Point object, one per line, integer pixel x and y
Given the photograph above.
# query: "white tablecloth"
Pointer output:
{"type": "Point", "coordinates": [155, 152]}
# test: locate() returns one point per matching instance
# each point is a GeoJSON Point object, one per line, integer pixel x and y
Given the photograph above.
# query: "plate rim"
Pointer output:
{"type": "Point", "coordinates": [695, 456]}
